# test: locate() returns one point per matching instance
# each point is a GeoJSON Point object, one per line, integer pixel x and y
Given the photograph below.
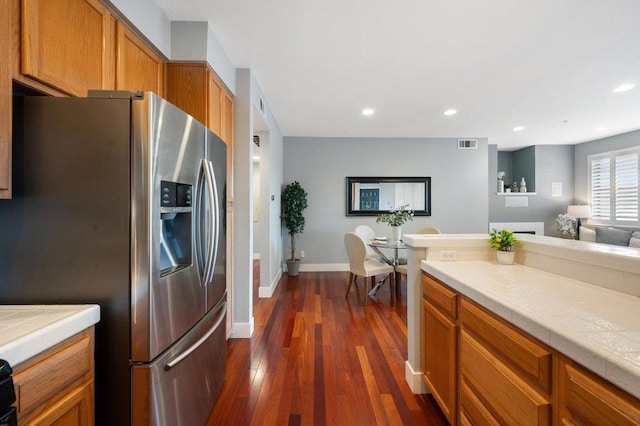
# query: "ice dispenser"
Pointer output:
{"type": "Point", "coordinates": [175, 234]}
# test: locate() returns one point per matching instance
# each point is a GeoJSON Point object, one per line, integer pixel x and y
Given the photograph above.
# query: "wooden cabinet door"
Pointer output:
{"type": "Point", "coordinates": [186, 88]}
{"type": "Point", "coordinates": [138, 67]}
{"type": "Point", "coordinates": [74, 409]}
{"type": "Point", "coordinates": [439, 358]}
{"type": "Point", "coordinates": [227, 136]}
{"type": "Point", "coordinates": [215, 93]}
{"type": "Point", "coordinates": [586, 399]}
{"type": "Point", "coordinates": [5, 98]}
{"type": "Point", "coordinates": [67, 44]}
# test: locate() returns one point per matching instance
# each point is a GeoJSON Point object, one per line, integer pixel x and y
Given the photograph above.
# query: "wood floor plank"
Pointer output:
{"type": "Point", "coordinates": [372, 387]}
{"type": "Point", "coordinates": [320, 358]}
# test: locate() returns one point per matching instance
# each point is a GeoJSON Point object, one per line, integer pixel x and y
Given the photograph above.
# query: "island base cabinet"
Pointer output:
{"type": "Point", "coordinates": [56, 387]}
{"type": "Point", "coordinates": [586, 399]}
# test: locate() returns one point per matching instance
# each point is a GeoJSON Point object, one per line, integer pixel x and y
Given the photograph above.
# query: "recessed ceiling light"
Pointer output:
{"type": "Point", "coordinates": [256, 158]}
{"type": "Point", "coordinates": [368, 111]}
{"type": "Point", "coordinates": [518, 128]}
{"type": "Point", "coordinates": [599, 129]}
{"type": "Point", "coordinates": [624, 87]}
{"type": "Point", "coordinates": [450, 112]}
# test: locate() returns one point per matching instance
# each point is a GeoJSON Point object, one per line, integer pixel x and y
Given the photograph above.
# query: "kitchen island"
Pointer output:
{"type": "Point", "coordinates": [575, 298]}
{"type": "Point", "coordinates": [51, 351]}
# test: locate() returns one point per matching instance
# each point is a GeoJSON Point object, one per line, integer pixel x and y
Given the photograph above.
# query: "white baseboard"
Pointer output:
{"type": "Point", "coordinates": [242, 330]}
{"type": "Point", "coordinates": [414, 379]}
{"type": "Point", "coordinates": [256, 256]}
{"type": "Point", "coordinates": [265, 292]}
{"type": "Point", "coordinates": [324, 267]}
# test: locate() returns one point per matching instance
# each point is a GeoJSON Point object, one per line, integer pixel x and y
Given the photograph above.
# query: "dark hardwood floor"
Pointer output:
{"type": "Point", "coordinates": [319, 358]}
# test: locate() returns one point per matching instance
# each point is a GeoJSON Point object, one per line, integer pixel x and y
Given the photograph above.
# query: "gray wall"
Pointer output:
{"type": "Point", "coordinates": [524, 166]}
{"type": "Point", "coordinates": [517, 165]}
{"type": "Point", "coordinates": [613, 143]}
{"type": "Point", "coordinates": [321, 165]}
{"type": "Point", "coordinates": [553, 164]}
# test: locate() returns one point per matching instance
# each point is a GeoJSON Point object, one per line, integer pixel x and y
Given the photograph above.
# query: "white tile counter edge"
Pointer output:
{"type": "Point", "coordinates": [74, 319]}
{"type": "Point", "coordinates": [596, 327]}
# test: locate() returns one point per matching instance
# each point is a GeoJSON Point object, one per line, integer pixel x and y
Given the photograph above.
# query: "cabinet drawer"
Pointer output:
{"type": "Point", "coordinates": [472, 410]}
{"type": "Point", "coordinates": [526, 357]}
{"type": "Point", "coordinates": [440, 296]}
{"type": "Point", "coordinates": [586, 399]}
{"type": "Point", "coordinates": [503, 394]}
{"type": "Point", "coordinates": [38, 384]}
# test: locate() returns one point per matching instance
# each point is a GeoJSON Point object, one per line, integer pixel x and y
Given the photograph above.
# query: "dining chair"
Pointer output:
{"type": "Point", "coordinates": [360, 266]}
{"type": "Point", "coordinates": [429, 230]}
{"type": "Point", "coordinates": [368, 234]}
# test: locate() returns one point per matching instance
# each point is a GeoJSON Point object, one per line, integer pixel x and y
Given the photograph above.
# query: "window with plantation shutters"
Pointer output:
{"type": "Point", "coordinates": [614, 179]}
{"type": "Point", "coordinates": [601, 188]}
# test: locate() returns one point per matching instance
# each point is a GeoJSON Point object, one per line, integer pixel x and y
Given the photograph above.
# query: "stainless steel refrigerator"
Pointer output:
{"type": "Point", "coordinates": [119, 200]}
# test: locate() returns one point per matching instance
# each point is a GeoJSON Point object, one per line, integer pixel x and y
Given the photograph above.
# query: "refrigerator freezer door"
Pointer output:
{"type": "Point", "coordinates": [167, 147]}
{"type": "Point", "coordinates": [181, 386]}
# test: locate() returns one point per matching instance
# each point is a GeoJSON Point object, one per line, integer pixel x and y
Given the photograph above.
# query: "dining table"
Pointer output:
{"type": "Point", "coordinates": [394, 260]}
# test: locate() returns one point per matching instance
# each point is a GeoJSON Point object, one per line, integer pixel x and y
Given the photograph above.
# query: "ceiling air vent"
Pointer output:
{"type": "Point", "coordinates": [256, 140]}
{"type": "Point", "coordinates": [467, 143]}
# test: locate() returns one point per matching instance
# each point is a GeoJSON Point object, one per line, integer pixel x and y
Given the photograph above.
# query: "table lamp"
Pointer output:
{"type": "Point", "coordinates": [579, 212]}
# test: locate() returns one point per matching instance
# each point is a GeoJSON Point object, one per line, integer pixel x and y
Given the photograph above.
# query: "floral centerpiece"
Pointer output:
{"type": "Point", "coordinates": [502, 240]}
{"type": "Point", "coordinates": [396, 218]}
{"type": "Point", "coordinates": [566, 224]}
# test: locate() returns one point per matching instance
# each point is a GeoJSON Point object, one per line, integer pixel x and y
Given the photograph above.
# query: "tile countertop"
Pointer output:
{"type": "Point", "coordinates": [597, 327]}
{"type": "Point", "coordinates": [26, 330]}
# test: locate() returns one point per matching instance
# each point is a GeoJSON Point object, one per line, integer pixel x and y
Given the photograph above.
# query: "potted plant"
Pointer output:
{"type": "Point", "coordinates": [503, 242]}
{"type": "Point", "coordinates": [294, 201]}
{"type": "Point", "coordinates": [396, 218]}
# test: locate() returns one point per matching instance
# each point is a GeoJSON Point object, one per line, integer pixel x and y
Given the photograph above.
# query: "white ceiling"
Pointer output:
{"type": "Point", "coordinates": [547, 65]}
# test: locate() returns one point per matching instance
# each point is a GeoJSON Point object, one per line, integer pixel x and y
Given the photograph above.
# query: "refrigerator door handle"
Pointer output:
{"type": "Point", "coordinates": [200, 256]}
{"type": "Point", "coordinates": [210, 186]}
{"type": "Point", "coordinates": [181, 356]}
{"type": "Point", "coordinates": [215, 212]}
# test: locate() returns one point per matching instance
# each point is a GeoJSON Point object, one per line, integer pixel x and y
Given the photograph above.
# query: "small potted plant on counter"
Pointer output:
{"type": "Point", "coordinates": [396, 218]}
{"type": "Point", "coordinates": [294, 201]}
{"type": "Point", "coordinates": [503, 242]}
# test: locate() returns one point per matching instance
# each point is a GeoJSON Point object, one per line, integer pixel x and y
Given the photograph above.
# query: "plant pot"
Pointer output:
{"type": "Point", "coordinates": [396, 233]}
{"type": "Point", "coordinates": [293, 267]}
{"type": "Point", "coordinates": [505, 257]}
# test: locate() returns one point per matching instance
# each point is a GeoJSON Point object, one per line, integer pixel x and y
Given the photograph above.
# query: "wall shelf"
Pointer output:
{"type": "Point", "coordinates": [515, 194]}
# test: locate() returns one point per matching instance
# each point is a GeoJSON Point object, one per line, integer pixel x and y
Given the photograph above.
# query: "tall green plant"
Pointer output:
{"type": "Point", "coordinates": [294, 201]}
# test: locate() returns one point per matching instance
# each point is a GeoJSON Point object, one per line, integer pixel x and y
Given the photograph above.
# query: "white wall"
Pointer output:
{"type": "Point", "coordinates": [256, 210]}
{"type": "Point", "coordinates": [248, 96]}
{"type": "Point", "coordinates": [149, 19]}
{"type": "Point", "coordinates": [458, 187]}
{"type": "Point", "coordinates": [196, 41]}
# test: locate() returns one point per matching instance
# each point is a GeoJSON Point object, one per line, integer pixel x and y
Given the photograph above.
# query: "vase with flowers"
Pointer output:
{"type": "Point", "coordinates": [503, 242]}
{"type": "Point", "coordinates": [566, 224]}
{"type": "Point", "coordinates": [396, 218]}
